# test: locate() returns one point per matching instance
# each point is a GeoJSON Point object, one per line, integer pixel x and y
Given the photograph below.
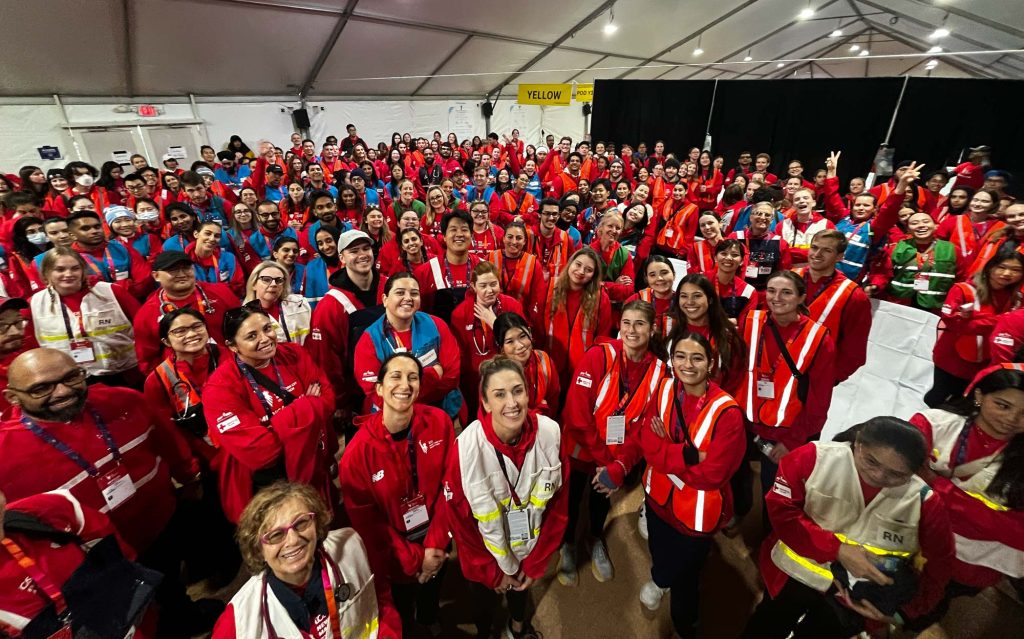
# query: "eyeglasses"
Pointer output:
{"type": "Point", "coordinates": [44, 389]}
{"type": "Point", "coordinates": [182, 331]}
{"type": "Point", "coordinates": [267, 216]}
{"type": "Point", "coordinates": [268, 280]}
{"type": "Point", "coordinates": [6, 326]}
{"type": "Point", "coordinates": [277, 536]}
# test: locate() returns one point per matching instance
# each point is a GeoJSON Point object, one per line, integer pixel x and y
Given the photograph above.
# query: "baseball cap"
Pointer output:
{"type": "Point", "coordinates": [348, 238]}
{"type": "Point", "coordinates": [167, 259]}
{"type": "Point", "coordinates": [204, 171]}
{"type": "Point", "coordinates": [275, 168]}
{"type": "Point", "coordinates": [15, 303]}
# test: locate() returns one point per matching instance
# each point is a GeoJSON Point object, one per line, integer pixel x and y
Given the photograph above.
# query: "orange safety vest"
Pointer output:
{"type": "Point", "coordinates": [697, 510]}
{"type": "Point", "coordinates": [989, 247]}
{"type": "Point", "coordinates": [180, 391]}
{"type": "Point", "coordinates": [608, 400]}
{"type": "Point", "coordinates": [974, 348]}
{"type": "Point", "coordinates": [781, 410]}
{"type": "Point", "coordinates": [545, 369]}
{"type": "Point", "coordinates": [964, 238]}
{"type": "Point", "coordinates": [885, 190]}
{"type": "Point", "coordinates": [827, 308]}
{"type": "Point", "coordinates": [673, 234]}
{"type": "Point", "coordinates": [663, 323]}
{"type": "Point", "coordinates": [526, 206]}
{"type": "Point", "coordinates": [579, 331]}
{"type": "Point", "coordinates": [519, 285]}
{"type": "Point", "coordinates": [560, 254]}
{"type": "Point", "coordinates": [703, 257]}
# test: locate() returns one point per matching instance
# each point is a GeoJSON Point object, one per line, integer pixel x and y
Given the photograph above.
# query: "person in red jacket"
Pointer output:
{"type": "Point", "coordinates": [16, 337]}
{"type": "Point", "coordinates": [821, 539]}
{"type": "Point", "coordinates": [520, 273]}
{"type": "Point", "coordinates": [975, 441]}
{"type": "Point", "coordinates": [611, 388]}
{"type": "Point", "coordinates": [112, 262]}
{"type": "Point", "coordinates": [517, 205]}
{"type": "Point", "coordinates": [269, 409]}
{"type": "Point", "coordinates": [969, 314]}
{"type": "Point", "coordinates": [506, 531]}
{"type": "Point", "coordinates": [1007, 338]}
{"type": "Point", "coordinates": [661, 276]}
{"type": "Point", "coordinates": [444, 279]}
{"type": "Point", "coordinates": [402, 511]}
{"type": "Point", "coordinates": [692, 431]}
{"type": "Point", "coordinates": [972, 172]}
{"type": "Point", "coordinates": [176, 278]}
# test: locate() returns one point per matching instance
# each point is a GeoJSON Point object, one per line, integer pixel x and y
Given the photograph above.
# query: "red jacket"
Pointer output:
{"type": "Point", "coordinates": [476, 341]}
{"type": "Point", "coordinates": [146, 323]}
{"type": "Point", "coordinates": [851, 340]}
{"type": "Point", "coordinates": [970, 174]}
{"type": "Point", "coordinates": [376, 477]}
{"type": "Point", "coordinates": [391, 253]}
{"type": "Point", "coordinates": [460, 278]}
{"type": "Point", "coordinates": [298, 435]}
{"type": "Point", "coordinates": [151, 454]}
{"type": "Point", "coordinates": [477, 562]}
{"type": "Point", "coordinates": [970, 334]}
{"type": "Point", "coordinates": [139, 281]}
{"type": "Point", "coordinates": [785, 504]}
{"type": "Point", "coordinates": [1007, 337]}
{"type": "Point", "coordinates": [558, 345]}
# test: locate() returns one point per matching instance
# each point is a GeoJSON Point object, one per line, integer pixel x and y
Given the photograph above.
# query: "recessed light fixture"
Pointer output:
{"type": "Point", "coordinates": [863, 52]}
{"type": "Point", "coordinates": [836, 34]}
{"type": "Point", "coordinates": [941, 32]}
{"type": "Point", "coordinates": [854, 47]}
{"type": "Point", "coordinates": [806, 14]}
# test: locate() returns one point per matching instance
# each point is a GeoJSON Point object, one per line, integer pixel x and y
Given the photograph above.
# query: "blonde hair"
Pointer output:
{"type": "Point", "coordinates": [385, 231]}
{"type": "Point", "coordinates": [253, 522]}
{"type": "Point", "coordinates": [250, 284]}
{"type": "Point", "coordinates": [591, 292]}
{"type": "Point", "coordinates": [49, 262]}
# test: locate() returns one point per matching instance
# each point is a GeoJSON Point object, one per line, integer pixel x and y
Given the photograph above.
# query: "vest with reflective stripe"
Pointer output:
{"type": "Point", "coordinates": [182, 394]}
{"type": "Point", "coordinates": [964, 239]}
{"type": "Point", "coordinates": [663, 322]}
{"type": "Point", "coordinates": [488, 495]}
{"type": "Point", "coordinates": [106, 326]}
{"type": "Point", "coordinates": [608, 395]}
{"type": "Point", "coordinates": [560, 252]}
{"type": "Point", "coordinates": [698, 510]}
{"type": "Point", "coordinates": [782, 410]}
{"type": "Point", "coordinates": [343, 299]}
{"type": "Point", "coordinates": [672, 235]}
{"type": "Point", "coordinates": [858, 237]}
{"type": "Point", "coordinates": [297, 314]}
{"type": "Point", "coordinates": [973, 347]}
{"type": "Point", "coordinates": [702, 259]}
{"type": "Point", "coordinates": [827, 308]}
{"type": "Point", "coordinates": [887, 527]}
{"type": "Point", "coordinates": [577, 333]}
{"type": "Point", "coordinates": [940, 270]}
{"type": "Point", "coordinates": [522, 278]}
{"type": "Point", "coordinates": [801, 239]}
{"type": "Point", "coordinates": [990, 245]}
{"type": "Point", "coordinates": [545, 369]}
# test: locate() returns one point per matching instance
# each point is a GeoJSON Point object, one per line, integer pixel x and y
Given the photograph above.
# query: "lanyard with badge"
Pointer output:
{"type": "Point", "coordinates": [925, 263]}
{"type": "Point", "coordinates": [333, 595]}
{"type": "Point", "coordinates": [201, 301]}
{"type": "Point", "coordinates": [284, 325]}
{"type": "Point", "coordinates": [821, 289]}
{"type": "Point", "coordinates": [615, 431]}
{"type": "Point", "coordinates": [81, 347]}
{"type": "Point", "coordinates": [414, 503]}
{"type": "Point", "coordinates": [762, 260]}
{"type": "Point", "coordinates": [256, 387]}
{"type": "Point", "coordinates": [116, 484]}
{"type": "Point", "coordinates": [766, 380]}
{"type": "Point", "coordinates": [49, 589]}
{"type": "Point", "coordinates": [108, 264]}
{"type": "Point", "coordinates": [394, 342]}
{"type": "Point", "coordinates": [518, 518]}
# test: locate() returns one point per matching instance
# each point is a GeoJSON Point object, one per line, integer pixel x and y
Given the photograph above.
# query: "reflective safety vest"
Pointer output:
{"type": "Point", "coordinates": [939, 267]}
{"type": "Point", "coordinates": [297, 314]}
{"type": "Point", "coordinates": [781, 410]}
{"type": "Point", "coordinates": [358, 613]}
{"type": "Point", "coordinates": [697, 510]}
{"type": "Point", "coordinates": [800, 239]}
{"type": "Point", "coordinates": [662, 323]}
{"type": "Point", "coordinates": [827, 309]}
{"type": "Point", "coordinates": [858, 247]}
{"type": "Point", "coordinates": [181, 392]}
{"type": "Point", "coordinates": [562, 249]}
{"type": "Point", "coordinates": [974, 348]}
{"type": "Point", "coordinates": [964, 239]}
{"type": "Point", "coordinates": [672, 235]}
{"type": "Point", "coordinates": [973, 478]}
{"type": "Point", "coordinates": [990, 245]}
{"type": "Point", "coordinates": [702, 258]}
{"type": "Point", "coordinates": [608, 400]}
{"type": "Point", "coordinates": [343, 299]}
{"type": "Point", "coordinates": [545, 373]}
{"type": "Point", "coordinates": [887, 527]}
{"type": "Point", "coordinates": [107, 328]}
{"type": "Point", "coordinates": [520, 283]}
{"type": "Point", "coordinates": [488, 494]}
{"type": "Point", "coordinates": [571, 336]}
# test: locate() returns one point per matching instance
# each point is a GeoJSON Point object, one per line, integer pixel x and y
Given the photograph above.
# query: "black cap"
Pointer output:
{"type": "Point", "coordinates": [15, 303]}
{"type": "Point", "coordinates": [275, 168]}
{"type": "Point", "coordinates": [167, 259]}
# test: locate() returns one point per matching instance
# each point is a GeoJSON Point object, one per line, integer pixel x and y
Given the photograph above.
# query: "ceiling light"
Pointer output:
{"type": "Point", "coordinates": [931, 64]}
{"type": "Point", "coordinates": [941, 32]}
{"type": "Point", "coordinates": [780, 65]}
{"type": "Point", "coordinates": [935, 50]}
{"type": "Point", "coordinates": [854, 47]}
{"type": "Point", "coordinates": [698, 51]}
{"type": "Point", "coordinates": [747, 58]}
{"type": "Point", "coordinates": [836, 34]}
{"type": "Point", "coordinates": [610, 28]}
{"type": "Point", "coordinates": [806, 14]}
{"type": "Point", "coordinates": [863, 52]}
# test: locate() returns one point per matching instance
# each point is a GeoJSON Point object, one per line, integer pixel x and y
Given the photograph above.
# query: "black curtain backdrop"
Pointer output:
{"type": "Point", "coordinates": [805, 119]}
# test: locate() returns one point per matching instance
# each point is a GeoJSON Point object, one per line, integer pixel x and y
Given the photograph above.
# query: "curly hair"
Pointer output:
{"type": "Point", "coordinates": [253, 522]}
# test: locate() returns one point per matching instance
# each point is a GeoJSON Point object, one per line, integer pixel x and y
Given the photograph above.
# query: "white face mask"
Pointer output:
{"type": "Point", "coordinates": [148, 216]}
{"type": "Point", "coordinates": [84, 180]}
{"type": "Point", "coordinates": [39, 239]}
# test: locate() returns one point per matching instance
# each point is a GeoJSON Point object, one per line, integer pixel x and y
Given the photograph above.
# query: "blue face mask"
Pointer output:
{"type": "Point", "coordinates": [39, 239]}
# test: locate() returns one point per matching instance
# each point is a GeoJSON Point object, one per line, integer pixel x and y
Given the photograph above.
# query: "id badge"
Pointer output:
{"type": "Point", "coordinates": [224, 276]}
{"type": "Point", "coordinates": [414, 512]}
{"type": "Point", "coordinates": [764, 270]}
{"type": "Point", "coordinates": [117, 486]}
{"type": "Point", "coordinates": [669, 233]}
{"type": "Point", "coordinates": [751, 271]}
{"type": "Point", "coordinates": [518, 525]}
{"type": "Point", "coordinates": [81, 351]}
{"type": "Point", "coordinates": [121, 275]}
{"type": "Point", "coordinates": [921, 283]}
{"type": "Point", "coordinates": [615, 433]}
{"type": "Point", "coordinates": [765, 387]}
{"type": "Point", "coordinates": [429, 358]}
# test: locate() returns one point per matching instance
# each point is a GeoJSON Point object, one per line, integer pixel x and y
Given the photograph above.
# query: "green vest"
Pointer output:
{"type": "Point", "coordinates": [613, 270]}
{"type": "Point", "coordinates": [940, 270]}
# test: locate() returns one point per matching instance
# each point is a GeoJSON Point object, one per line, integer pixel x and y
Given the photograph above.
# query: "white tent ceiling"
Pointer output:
{"type": "Point", "coordinates": [463, 48]}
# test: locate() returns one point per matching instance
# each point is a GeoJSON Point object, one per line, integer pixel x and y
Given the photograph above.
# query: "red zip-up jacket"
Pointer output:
{"type": "Point", "coordinates": [978, 327]}
{"type": "Point", "coordinates": [1007, 337]}
{"type": "Point", "coordinates": [300, 433]}
{"type": "Point", "coordinates": [477, 562]}
{"type": "Point", "coordinates": [376, 477]}
{"type": "Point", "coordinates": [851, 342]}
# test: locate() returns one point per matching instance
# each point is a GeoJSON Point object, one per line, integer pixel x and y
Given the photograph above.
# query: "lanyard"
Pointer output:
{"type": "Point", "coordinates": [821, 289]}
{"type": "Point", "coordinates": [203, 302]}
{"type": "Point", "coordinates": [67, 322]}
{"type": "Point", "coordinates": [625, 396]}
{"type": "Point", "coordinates": [504, 471]}
{"type": "Point", "coordinates": [284, 324]}
{"type": "Point", "coordinates": [216, 269]}
{"type": "Point", "coordinates": [66, 450]}
{"type": "Point", "coordinates": [37, 576]}
{"type": "Point", "coordinates": [926, 257]}
{"type": "Point", "coordinates": [961, 445]}
{"type": "Point", "coordinates": [397, 343]}
{"type": "Point", "coordinates": [448, 273]}
{"type": "Point", "coordinates": [412, 462]}
{"type": "Point", "coordinates": [242, 366]}
{"type": "Point", "coordinates": [761, 354]}
{"type": "Point", "coordinates": [484, 347]}
{"type": "Point", "coordinates": [329, 598]}
{"type": "Point", "coordinates": [506, 277]}
{"type": "Point", "coordinates": [108, 264]}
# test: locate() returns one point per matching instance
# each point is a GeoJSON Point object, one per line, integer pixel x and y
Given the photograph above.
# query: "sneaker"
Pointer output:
{"type": "Point", "coordinates": [600, 564]}
{"type": "Point", "coordinates": [651, 594]}
{"type": "Point", "coordinates": [641, 523]}
{"type": "Point", "coordinates": [567, 566]}
{"type": "Point", "coordinates": [528, 632]}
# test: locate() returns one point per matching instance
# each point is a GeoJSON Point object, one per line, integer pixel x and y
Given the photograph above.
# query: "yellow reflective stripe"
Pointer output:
{"type": "Point", "coordinates": [538, 502]}
{"type": "Point", "coordinates": [988, 502]}
{"type": "Point", "coordinates": [520, 542]}
{"type": "Point", "coordinates": [872, 549]}
{"type": "Point", "coordinates": [368, 630]}
{"type": "Point", "coordinates": [494, 549]}
{"type": "Point", "coordinates": [805, 563]}
{"type": "Point", "coordinates": [109, 331]}
{"type": "Point", "coordinates": [491, 516]}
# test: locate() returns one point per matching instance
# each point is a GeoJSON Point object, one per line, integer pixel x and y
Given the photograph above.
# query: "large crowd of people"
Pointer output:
{"type": "Point", "coordinates": [346, 367]}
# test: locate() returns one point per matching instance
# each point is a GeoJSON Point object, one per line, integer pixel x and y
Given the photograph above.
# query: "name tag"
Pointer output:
{"type": "Point", "coordinates": [81, 351]}
{"type": "Point", "coordinates": [669, 233]}
{"type": "Point", "coordinates": [615, 432]}
{"type": "Point", "coordinates": [765, 388]}
{"type": "Point", "coordinates": [117, 486]}
{"type": "Point", "coordinates": [518, 525]}
{"type": "Point", "coordinates": [414, 512]}
{"type": "Point", "coordinates": [429, 358]}
{"type": "Point", "coordinates": [750, 271]}
{"type": "Point", "coordinates": [921, 283]}
{"type": "Point", "coordinates": [121, 275]}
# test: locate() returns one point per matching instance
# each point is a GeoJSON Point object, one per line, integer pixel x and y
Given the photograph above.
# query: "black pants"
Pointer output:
{"type": "Point", "coordinates": [944, 386]}
{"type": "Point", "coordinates": [823, 617]}
{"type": "Point", "coordinates": [677, 560]}
{"type": "Point", "coordinates": [598, 506]}
{"type": "Point", "coordinates": [487, 601]}
{"type": "Point", "coordinates": [418, 603]}
{"type": "Point", "coordinates": [207, 537]}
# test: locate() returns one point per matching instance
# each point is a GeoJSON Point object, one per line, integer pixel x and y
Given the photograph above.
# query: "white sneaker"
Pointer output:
{"type": "Point", "coordinates": [600, 564]}
{"type": "Point", "coordinates": [567, 566]}
{"type": "Point", "coordinates": [651, 594]}
{"type": "Point", "coordinates": [641, 523]}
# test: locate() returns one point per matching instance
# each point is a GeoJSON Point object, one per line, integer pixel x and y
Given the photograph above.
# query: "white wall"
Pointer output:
{"type": "Point", "coordinates": [25, 127]}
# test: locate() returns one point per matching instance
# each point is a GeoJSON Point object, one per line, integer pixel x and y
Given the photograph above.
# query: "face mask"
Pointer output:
{"type": "Point", "coordinates": [39, 239]}
{"type": "Point", "coordinates": [84, 180]}
{"type": "Point", "coordinates": [147, 216]}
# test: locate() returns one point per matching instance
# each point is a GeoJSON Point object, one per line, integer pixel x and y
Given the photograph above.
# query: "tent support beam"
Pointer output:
{"type": "Point", "coordinates": [973, 17]}
{"type": "Point", "coordinates": [129, 50]}
{"type": "Point", "coordinates": [325, 52]}
{"type": "Point", "coordinates": [725, 16]}
{"type": "Point", "coordinates": [823, 50]}
{"type": "Point", "coordinates": [446, 60]}
{"type": "Point", "coordinates": [827, 49]}
{"type": "Point", "coordinates": [914, 43]}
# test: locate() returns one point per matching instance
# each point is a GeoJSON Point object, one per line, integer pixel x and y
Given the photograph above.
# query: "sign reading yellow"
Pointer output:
{"type": "Point", "coordinates": [546, 94]}
{"type": "Point", "coordinates": [584, 92]}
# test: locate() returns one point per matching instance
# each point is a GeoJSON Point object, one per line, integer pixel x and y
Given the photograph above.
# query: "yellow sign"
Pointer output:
{"type": "Point", "coordinates": [547, 94]}
{"type": "Point", "coordinates": [584, 92]}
